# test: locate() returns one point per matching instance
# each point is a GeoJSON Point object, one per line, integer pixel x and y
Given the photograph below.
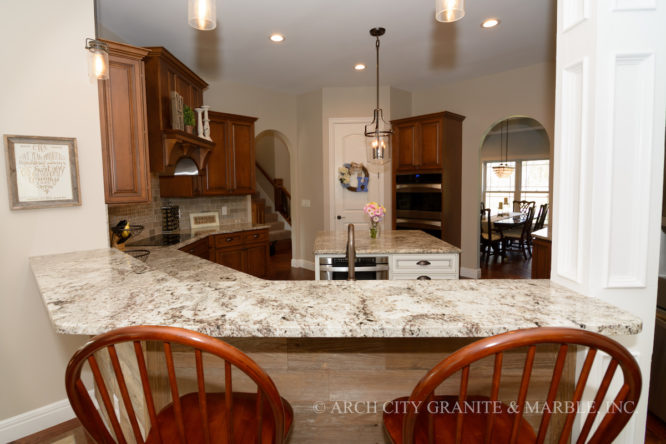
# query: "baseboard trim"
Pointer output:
{"type": "Point", "coordinates": [35, 420]}
{"type": "Point", "coordinates": [302, 263]}
{"type": "Point", "coordinates": [472, 273]}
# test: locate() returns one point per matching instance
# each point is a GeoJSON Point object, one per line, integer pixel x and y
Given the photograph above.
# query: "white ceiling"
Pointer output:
{"type": "Point", "coordinates": [325, 39]}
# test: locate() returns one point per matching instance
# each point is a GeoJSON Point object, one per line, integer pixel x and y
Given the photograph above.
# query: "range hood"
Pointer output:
{"type": "Point", "coordinates": [186, 167]}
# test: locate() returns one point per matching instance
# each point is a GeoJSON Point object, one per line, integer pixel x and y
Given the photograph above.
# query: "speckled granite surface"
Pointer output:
{"type": "Point", "coordinates": [388, 242]}
{"type": "Point", "coordinates": [204, 232]}
{"type": "Point", "coordinates": [91, 292]}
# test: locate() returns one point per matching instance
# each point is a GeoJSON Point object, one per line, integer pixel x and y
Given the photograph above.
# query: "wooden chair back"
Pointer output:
{"type": "Point", "coordinates": [611, 423]}
{"type": "Point", "coordinates": [541, 217]}
{"type": "Point", "coordinates": [485, 219]}
{"type": "Point", "coordinates": [527, 226]}
{"type": "Point", "coordinates": [92, 421]}
{"type": "Point", "coordinates": [522, 206]}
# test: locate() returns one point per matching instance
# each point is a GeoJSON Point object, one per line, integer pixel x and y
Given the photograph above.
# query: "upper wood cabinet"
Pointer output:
{"type": "Point", "coordinates": [122, 104]}
{"type": "Point", "coordinates": [419, 142]}
{"type": "Point", "coordinates": [165, 73]}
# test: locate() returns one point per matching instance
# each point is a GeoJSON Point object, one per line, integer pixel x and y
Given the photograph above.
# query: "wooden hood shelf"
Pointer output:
{"type": "Point", "coordinates": [179, 144]}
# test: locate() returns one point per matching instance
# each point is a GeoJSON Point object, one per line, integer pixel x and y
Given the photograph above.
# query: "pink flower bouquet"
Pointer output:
{"type": "Point", "coordinates": [376, 213]}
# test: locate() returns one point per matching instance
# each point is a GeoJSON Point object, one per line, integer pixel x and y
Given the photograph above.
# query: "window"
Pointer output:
{"type": "Point", "coordinates": [530, 181]}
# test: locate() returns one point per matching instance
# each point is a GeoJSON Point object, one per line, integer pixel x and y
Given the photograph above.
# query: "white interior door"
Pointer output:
{"type": "Point", "coordinates": [348, 145]}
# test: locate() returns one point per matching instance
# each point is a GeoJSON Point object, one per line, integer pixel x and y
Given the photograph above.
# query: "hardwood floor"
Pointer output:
{"type": "Point", "coordinates": [280, 265]}
{"type": "Point", "coordinates": [514, 266]}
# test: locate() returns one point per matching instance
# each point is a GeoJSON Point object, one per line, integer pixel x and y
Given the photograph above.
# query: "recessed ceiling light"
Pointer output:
{"type": "Point", "coordinates": [359, 67]}
{"type": "Point", "coordinates": [490, 23]}
{"type": "Point", "coordinates": [277, 38]}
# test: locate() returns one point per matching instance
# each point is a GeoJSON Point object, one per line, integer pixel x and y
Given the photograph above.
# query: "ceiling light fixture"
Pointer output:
{"type": "Point", "coordinates": [201, 14]}
{"type": "Point", "coordinates": [378, 132]}
{"type": "Point", "coordinates": [503, 169]}
{"type": "Point", "coordinates": [448, 11]}
{"type": "Point", "coordinates": [490, 23]}
{"type": "Point", "coordinates": [359, 67]}
{"type": "Point", "coordinates": [277, 38]}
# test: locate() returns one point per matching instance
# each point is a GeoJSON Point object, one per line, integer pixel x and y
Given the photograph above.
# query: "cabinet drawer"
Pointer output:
{"type": "Point", "coordinates": [255, 236]}
{"type": "Point", "coordinates": [423, 276]}
{"type": "Point", "coordinates": [227, 240]}
{"type": "Point", "coordinates": [425, 263]}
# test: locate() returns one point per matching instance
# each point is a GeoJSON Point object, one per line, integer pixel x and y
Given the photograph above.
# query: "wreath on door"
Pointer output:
{"type": "Point", "coordinates": [354, 177]}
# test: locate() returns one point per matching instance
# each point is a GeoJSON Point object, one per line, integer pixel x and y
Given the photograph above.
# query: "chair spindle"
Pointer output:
{"type": "Point", "coordinates": [148, 395]}
{"type": "Point", "coordinates": [494, 394]}
{"type": "Point", "coordinates": [228, 400]}
{"type": "Point", "coordinates": [601, 394]}
{"type": "Point", "coordinates": [177, 408]}
{"type": "Point", "coordinates": [201, 384]}
{"type": "Point", "coordinates": [462, 396]}
{"type": "Point", "coordinates": [558, 369]}
{"type": "Point", "coordinates": [522, 393]}
{"type": "Point", "coordinates": [122, 385]}
{"type": "Point", "coordinates": [578, 394]}
{"type": "Point", "coordinates": [106, 399]}
{"type": "Point", "coordinates": [260, 414]}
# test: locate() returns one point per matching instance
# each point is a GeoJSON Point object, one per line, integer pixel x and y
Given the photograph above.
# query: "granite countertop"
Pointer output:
{"type": "Point", "coordinates": [90, 292]}
{"type": "Point", "coordinates": [543, 233]}
{"type": "Point", "coordinates": [388, 242]}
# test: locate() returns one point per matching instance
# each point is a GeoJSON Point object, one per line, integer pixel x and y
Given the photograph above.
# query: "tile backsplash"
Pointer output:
{"type": "Point", "coordinates": [150, 215]}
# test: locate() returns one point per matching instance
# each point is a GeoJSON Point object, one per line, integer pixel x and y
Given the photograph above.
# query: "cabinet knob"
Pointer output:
{"type": "Point", "coordinates": [229, 239]}
{"type": "Point", "coordinates": [423, 263]}
{"type": "Point", "coordinates": [256, 236]}
{"type": "Point", "coordinates": [424, 278]}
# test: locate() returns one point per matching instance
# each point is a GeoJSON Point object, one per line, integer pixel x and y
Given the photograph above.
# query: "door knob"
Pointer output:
{"type": "Point", "coordinates": [340, 217]}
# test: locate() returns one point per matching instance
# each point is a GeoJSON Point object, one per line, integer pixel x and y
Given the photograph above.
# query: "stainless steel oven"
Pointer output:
{"type": "Point", "coordinates": [418, 202]}
{"type": "Point", "coordinates": [367, 268]}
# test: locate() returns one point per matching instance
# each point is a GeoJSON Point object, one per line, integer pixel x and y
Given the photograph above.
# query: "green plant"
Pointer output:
{"type": "Point", "coordinates": [188, 116]}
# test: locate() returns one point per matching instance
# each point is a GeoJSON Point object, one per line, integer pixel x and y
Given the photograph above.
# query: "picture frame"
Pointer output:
{"type": "Point", "coordinates": [42, 172]}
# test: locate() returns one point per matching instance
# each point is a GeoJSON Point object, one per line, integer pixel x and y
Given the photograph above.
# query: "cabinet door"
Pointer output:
{"type": "Point", "coordinates": [215, 179]}
{"type": "Point", "coordinates": [430, 147]}
{"type": "Point", "coordinates": [241, 144]}
{"type": "Point", "coordinates": [124, 133]}
{"type": "Point", "coordinates": [198, 248]}
{"type": "Point", "coordinates": [405, 143]}
{"type": "Point", "coordinates": [232, 258]}
{"type": "Point", "coordinates": [257, 260]}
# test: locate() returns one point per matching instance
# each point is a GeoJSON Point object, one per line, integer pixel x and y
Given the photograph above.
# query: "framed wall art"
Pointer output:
{"type": "Point", "coordinates": [42, 172]}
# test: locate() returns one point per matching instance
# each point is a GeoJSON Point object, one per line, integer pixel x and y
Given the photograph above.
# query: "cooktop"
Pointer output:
{"type": "Point", "coordinates": [163, 239]}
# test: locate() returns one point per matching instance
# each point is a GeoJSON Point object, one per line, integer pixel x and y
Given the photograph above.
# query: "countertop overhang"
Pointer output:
{"type": "Point", "coordinates": [388, 242]}
{"type": "Point", "coordinates": [90, 292]}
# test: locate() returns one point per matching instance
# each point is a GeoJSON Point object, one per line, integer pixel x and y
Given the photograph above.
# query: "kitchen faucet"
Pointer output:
{"type": "Point", "coordinates": [351, 254]}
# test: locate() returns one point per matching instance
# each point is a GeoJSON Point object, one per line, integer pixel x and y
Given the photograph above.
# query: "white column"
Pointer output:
{"type": "Point", "coordinates": [608, 161]}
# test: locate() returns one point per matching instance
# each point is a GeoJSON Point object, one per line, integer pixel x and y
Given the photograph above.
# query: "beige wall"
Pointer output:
{"type": "Point", "coordinates": [309, 172]}
{"type": "Point", "coordinates": [46, 93]}
{"type": "Point", "coordinates": [533, 144]}
{"type": "Point", "coordinates": [527, 91]}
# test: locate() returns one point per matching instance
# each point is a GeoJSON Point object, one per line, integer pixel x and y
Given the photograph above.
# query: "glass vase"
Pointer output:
{"type": "Point", "coordinates": [374, 230]}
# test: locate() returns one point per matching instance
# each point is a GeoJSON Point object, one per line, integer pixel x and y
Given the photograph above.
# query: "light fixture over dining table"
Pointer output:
{"type": "Point", "coordinates": [504, 169]}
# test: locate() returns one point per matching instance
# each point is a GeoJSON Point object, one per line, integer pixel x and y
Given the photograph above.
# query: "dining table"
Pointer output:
{"type": "Point", "coordinates": [507, 221]}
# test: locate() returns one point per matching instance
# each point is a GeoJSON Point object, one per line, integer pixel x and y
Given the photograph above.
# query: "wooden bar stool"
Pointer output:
{"type": "Point", "coordinates": [197, 417]}
{"type": "Point", "coordinates": [422, 418]}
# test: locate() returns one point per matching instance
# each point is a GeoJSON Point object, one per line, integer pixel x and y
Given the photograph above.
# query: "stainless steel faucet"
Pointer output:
{"type": "Point", "coordinates": [351, 254]}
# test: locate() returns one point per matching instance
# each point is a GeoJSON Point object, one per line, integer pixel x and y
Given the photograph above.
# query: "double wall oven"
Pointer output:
{"type": "Point", "coordinates": [418, 202]}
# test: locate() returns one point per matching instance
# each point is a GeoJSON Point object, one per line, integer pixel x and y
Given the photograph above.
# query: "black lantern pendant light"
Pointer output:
{"type": "Point", "coordinates": [503, 169]}
{"type": "Point", "coordinates": [378, 132]}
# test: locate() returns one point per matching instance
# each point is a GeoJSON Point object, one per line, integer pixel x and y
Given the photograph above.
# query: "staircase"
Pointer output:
{"type": "Point", "coordinates": [262, 214]}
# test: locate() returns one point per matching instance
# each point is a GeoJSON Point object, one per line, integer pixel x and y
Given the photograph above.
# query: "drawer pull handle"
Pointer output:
{"type": "Point", "coordinates": [424, 278]}
{"type": "Point", "coordinates": [423, 263]}
{"type": "Point", "coordinates": [229, 239]}
{"type": "Point", "coordinates": [256, 236]}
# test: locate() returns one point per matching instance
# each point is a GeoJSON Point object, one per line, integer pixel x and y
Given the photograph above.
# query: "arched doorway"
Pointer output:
{"type": "Point", "coordinates": [521, 143]}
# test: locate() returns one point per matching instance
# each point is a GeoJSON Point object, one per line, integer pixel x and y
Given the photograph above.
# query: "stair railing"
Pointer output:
{"type": "Point", "coordinates": [281, 197]}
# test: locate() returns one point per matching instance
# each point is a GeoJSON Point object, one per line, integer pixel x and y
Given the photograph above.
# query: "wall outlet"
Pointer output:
{"type": "Point", "coordinates": [305, 203]}
{"type": "Point", "coordinates": [224, 211]}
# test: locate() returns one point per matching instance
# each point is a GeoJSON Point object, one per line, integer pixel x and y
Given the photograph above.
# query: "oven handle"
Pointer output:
{"type": "Point", "coordinates": [338, 269]}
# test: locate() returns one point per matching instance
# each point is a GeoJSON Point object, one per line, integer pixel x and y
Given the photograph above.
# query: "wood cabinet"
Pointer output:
{"type": "Point", "coordinates": [230, 167]}
{"type": "Point", "coordinates": [432, 143]}
{"type": "Point", "coordinates": [165, 73]}
{"type": "Point", "coordinates": [541, 253]}
{"type": "Point", "coordinates": [122, 104]}
{"type": "Point", "coordinates": [246, 251]}
{"type": "Point", "coordinates": [199, 248]}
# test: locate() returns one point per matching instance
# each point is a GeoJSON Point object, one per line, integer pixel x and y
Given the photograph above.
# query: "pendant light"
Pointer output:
{"type": "Point", "coordinates": [503, 169]}
{"type": "Point", "coordinates": [378, 132]}
{"type": "Point", "coordinates": [448, 11]}
{"type": "Point", "coordinates": [201, 14]}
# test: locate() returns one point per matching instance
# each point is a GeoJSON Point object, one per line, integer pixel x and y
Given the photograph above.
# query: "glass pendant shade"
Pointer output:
{"type": "Point", "coordinates": [98, 59]}
{"type": "Point", "coordinates": [448, 11]}
{"type": "Point", "coordinates": [201, 14]}
{"type": "Point", "coordinates": [504, 170]}
{"type": "Point", "coordinates": [378, 140]}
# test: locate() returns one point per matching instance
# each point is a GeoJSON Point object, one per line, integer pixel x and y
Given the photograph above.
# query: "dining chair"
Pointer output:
{"type": "Point", "coordinates": [201, 416]}
{"type": "Point", "coordinates": [541, 217]}
{"type": "Point", "coordinates": [419, 421]}
{"type": "Point", "coordinates": [491, 240]}
{"type": "Point", "coordinates": [522, 206]}
{"type": "Point", "coordinates": [522, 236]}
